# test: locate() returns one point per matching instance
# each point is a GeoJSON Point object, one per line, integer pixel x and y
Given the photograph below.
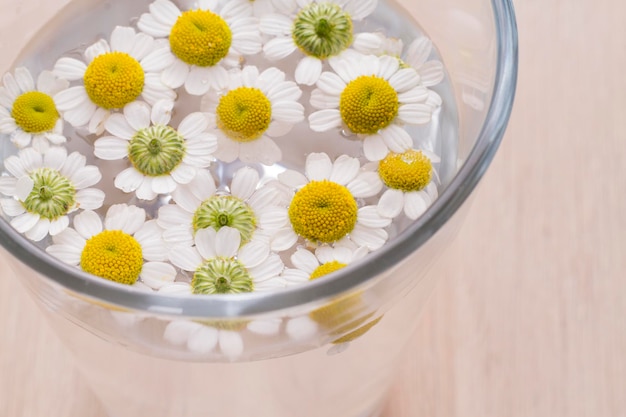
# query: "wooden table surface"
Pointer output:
{"type": "Point", "coordinates": [531, 322]}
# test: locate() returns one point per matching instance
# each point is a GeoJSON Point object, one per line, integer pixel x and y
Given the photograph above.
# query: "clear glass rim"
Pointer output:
{"type": "Point", "coordinates": [352, 276]}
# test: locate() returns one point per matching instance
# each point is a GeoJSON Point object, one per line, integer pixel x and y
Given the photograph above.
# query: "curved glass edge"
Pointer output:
{"type": "Point", "coordinates": [348, 278]}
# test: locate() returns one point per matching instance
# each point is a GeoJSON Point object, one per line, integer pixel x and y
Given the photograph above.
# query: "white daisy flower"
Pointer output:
{"type": "Point", "coordinates": [319, 28]}
{"type": "Point", "coordinates": [28, 112]}
{"type": "Point", "coordinates": [411, 180]}
{"type": "Point", "coordinates": [221, 265]}
{"type": "Point", "coordinates": [113, 74]}
{"type": "Point", "coordinates": [326, 259]}
{"type": "Point", "coordinates": [256, 8]}
{"type": "Point", "coordinates": [45, 188]}
{"type": "Point", "coordinates": [161, 157]}
{"type": "Point", "coordinates": [204, 338]}
{"type": "Point", "coordinates": [255, 108]}
{"type": "Point", "coordinates": [123, 249]}
{"type": "Point", "coordinates": [202, 41]}
{"type": "Point", "coordinates": [372, 97]}
{"type": "Point", "coordinates": [417, 56]}
{"type": "Point", "coordinates": [324, 209]}
{"type": "Point", "coordinates": [251, 208]}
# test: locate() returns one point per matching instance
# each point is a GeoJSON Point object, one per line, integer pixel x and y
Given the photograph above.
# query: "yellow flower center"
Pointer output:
{"type": "Point", "coordinates": [34, 112]}
{"type": "Point", "coordinates": [358, 332]}
{"type": "Point", "coordinates": [200, 37]}
{"type": "Point", "coordinates": [113, 80]}
{"type": "Point", "coordinates": [244, 114]}
{"type": "Point", "coordinates": [408, 171]}
{"type": "Point", "coordinates": [326, 269]}
{"type": "Point", "coordinates": [114, 255]}
{"type": "Point", "coordinates": [323, 211]}
{"type": "Point", "coordinates": [368, 104]}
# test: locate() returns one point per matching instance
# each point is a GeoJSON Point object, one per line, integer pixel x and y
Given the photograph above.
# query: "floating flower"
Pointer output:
{"type": "Point", "coordinates": [203, 338]}
{"type": "Point", "coordinates": [221, 265]}
{"type": "Point", "coordinates": [256, 8]}
{"type": "Point", "coordinates": [326, 259]}
{"type": "Point", "coordinates": [324, 209]}
{"type": "Point", "coordinates": [28, 112]}
{"type": "Point", "coordinates": [126, 248]}
{"type": "Point", "coordinates": [161, 157]}
{"type": "Point", "coordinates": [251, 208]}
{"type": "Point", "coordinates": [320, 29]}
{"type": "Point", "coordinates": [255, 108]}
{"type": "Point", "coordinates": [113, 76]}
{"type": "Point", "coordinates": [44, 189]}
{"type": "Point", "coordinates": [202, 42]}
{"type": "Point", "coordinates": [373, 97]}
{"type": "Point", "coordinates": [409, 177]}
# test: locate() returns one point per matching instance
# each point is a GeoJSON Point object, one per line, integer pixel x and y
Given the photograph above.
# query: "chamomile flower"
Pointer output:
{"type": "Point", "coordinates": [372, 97]}
{"type": "Point", "coordinates": [221, 265]}
{"type": "Point", "coordinates": [326, 259]}
{"type": "Point", "coordinates": [204, 338]}
{"type": "Point", "coordinates": [320, 29]}
{"type": "Point", "coordinates": [324, 209]}
{"type": "Point", "coordinates": [44, 189]}
{"type": "Point", "coordinates": [28, 112]}
{"type": "Point", "coordinates": [249, 207]}
{"type": "Point", "coordinates": [161, 157]}
{"type": "Point", "coordinates": [256, 8]}
{"type": "Point", "coordinates": [113, 75]}
{"type": "Point", "coordinates": [202, 42]}
{"type": "Point", "coordinates": [255, 108]}
{"type": "Point", "coordinates": [410, 177]}
{"type": "Point", "coordinates": [123, 249]}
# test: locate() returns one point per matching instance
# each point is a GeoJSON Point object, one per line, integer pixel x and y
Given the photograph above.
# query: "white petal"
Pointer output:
{"type": "Point", "coordinates": [24, 79]}
{"type": "Point", "coordinates": [308, 70]}
{"type": "Point", "coordinates": [165, 11]}
{"type": "Point", "coordinates": [90, 198]}
{"type": "Point", "coordinates": [227, 242]}
{"type": "Point", "coordinates": [205, 242]}
{"type": "Point", "coordinates": [175, 75]}
{"type": "Point", "coordinates": [414, 205]}
{"type": "Point", "coordinates": [21, 139]}
{"type": "Point", "coordinates": [292, 178]}
{"type": "Point", "coordinates": [227, 150]}
{"type": "Point", "coordinates": [15, 166]}
{"type": "Point", "coordinates": [163, 184]}
{"type": "Point", "coordinates": [253, 253]}
{"type": "Point", "coordinates": [137, 116]}
{"type": "Point", "coordinates": [8, 185]}
{"type": "Point", "coordinates": [396, 138]}
{"type": "Point", "coordinates": [391, 203]}
{"type": "Point", "coordinates": [158, 60]}
{"type": "Point", "coordinates": [275, 24]}
{"type": "Point", "coordinates": [417, 94]}
{"type": "Point", "coordinates": [295, 277]}
{"type": "Point", "coordinates": [301, 328]}
{"type": "Point", "coordinates": [273, 218]}
{"type": "Point", "coordinates": [279, 48]}
{"type": "Point", "coordinates": [127, 218]}
{"type": "Point", "coordinates": [321, 100]}
{"type": "Point", "coordinates": [368, 43]}
{"type": "Point", "coordinates": [198, 81]}
{"type": "Point", "coordinates": [178, 331]}
{"type": "Point", "coordinates": [55, 158]}
{"type": "Point", "coordinates": [368, 216]}
{"type": "Point", "coordinates": [283, 240]}
{"type": "Point", "coordinates": [143, 44]}
{"type": "Point", "coordinates": [431, 73]}
{"type": "Point", "coordinates": [331, 84]}
{"type": "Point", "coordinates": [70, 237]}
{"type": "Point", "coordinates": [418, 51]}
{"type": "Point", "coordinates": [373, 239]}
{"type": "Point", "coordinates": [288, 111]}
{"type": "Point", "coordinates": [404, 79]}
{"type": "Point", "coordinates": [183, 174]}
{"type": "Point", "coordinates": [359, 9]}
{"type": "Point", "coordinates": [185, 257]}
{"type": "Point", "coordinates": [203, 340]}
{"type": "Point", "coordinates": [23, 187]}
{"type": "Point", "coordinates": [71, 98]}
{"type": "Point", "coordinates": [367, 184]}
{"type": "Point", "coordinates": [96, 124]}
{"type": "Point", "coordinates": [270, 268]}
{"type": "Point", "coordinates": [69, 69]}
{"type": "Point", "coordinates": [145, 191]}
{"type": "Point", "coordinates": [129, 180]}
{"type": "Point", "coordinates": [265, 327]}
{"type": "Point", "coordinates": [388, 66]}
{"type": "Point", "coordinates": [193, 125]}
{"type": "Point", "coordinates": [162, 112]}
{"type": "Point", "coordinates": [98, 48]}
{"type": "Point", "coordinates": [110, 148]}
{"type": "Point", "coordinates": [231, 344]}
{"type": "Point", "coordinates": [86, 177]}
{"type": "Point", "coordinates": [305, 260]}
{"type": "Point", "coordinates": [417, 113]}
{"type": "Point", "coordinates": [374, 148]}
{"type": "Point", "coordinates": [263, 150]}
{"type": "Point", "coordinates": [65, 253]}
{"type": "Point", "coordinates": [244, 183]}
{"type": "Point", "coordinates": [157, 274]}
{"type": "Point", "coordinates": [12, 207]}
{"type": "Point", "coordinates": [122, 38]}
{"type": "Point", "coordinates": [345, 169]}
{"type": "Point", "coordinates": [176, 288]}
{"type": "Point", "coordinates": [318, 166]}
{"type": "Point", "coordinates": [59, 225]}
{"type": "Point", "coordinates": [117, 125]}
{"type": "Point", "coordinates": [87, 224]}
{"type": "Point", "coordinates": [324, 120]}
{"type": "Point", "coordinates": [345, 68]}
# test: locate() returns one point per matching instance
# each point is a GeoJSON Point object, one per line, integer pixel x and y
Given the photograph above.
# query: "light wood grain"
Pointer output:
{"type": "Point", "coordinates": [529, 316]}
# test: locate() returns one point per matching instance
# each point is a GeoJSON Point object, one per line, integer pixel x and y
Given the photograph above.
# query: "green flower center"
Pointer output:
{"type": "Point", "coordinates": [34, 112]}
{"type": "Point", "coordinates": [408, 171]}
{"type": "Point", "coordinates": [219, 211]}
{"type": "Point", "coordinates": [52, 195]}
{"type": "Point", "coordinates": [221, 276]}
{"type": "Point", "coordinates": [114, 255]}
{"type": "Point", "coordinates": [200, 37]}
{"type": "Point", "coordinates": [322, 30]}
{"type": "Point", "coordinates": [244, 114]}
{"type": "Point", "coordinates": [368, 104]}
{"type": "Point", "coordinates": [323, 211]}
{"type": "Point", "coordinates": [113, 80]}
{"type": "Point", "coordinates": [326, 269]}
{"type": "Point", "coordinates": [156, 150]}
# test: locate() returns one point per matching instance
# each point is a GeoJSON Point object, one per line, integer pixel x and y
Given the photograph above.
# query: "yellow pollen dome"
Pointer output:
{"type": "Point", "coordinates": [368, 104]}
{"type": "Point", "coordinates": [113, 80]}
{"type": "Point", "coordinates": [244, 114]}
{"type": "Point", "coordinates": [326, 269]}
{"type": "Point", "coordinates": [114, 255]}
{"type": "Point", "coordinates": [200, 37]}
{"type": "Point", "coordinates": [408, 171]}
{"type": "Point", "coordinates": [323, 211]}
{"type": "Point", "coordinates": [34, 112]}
